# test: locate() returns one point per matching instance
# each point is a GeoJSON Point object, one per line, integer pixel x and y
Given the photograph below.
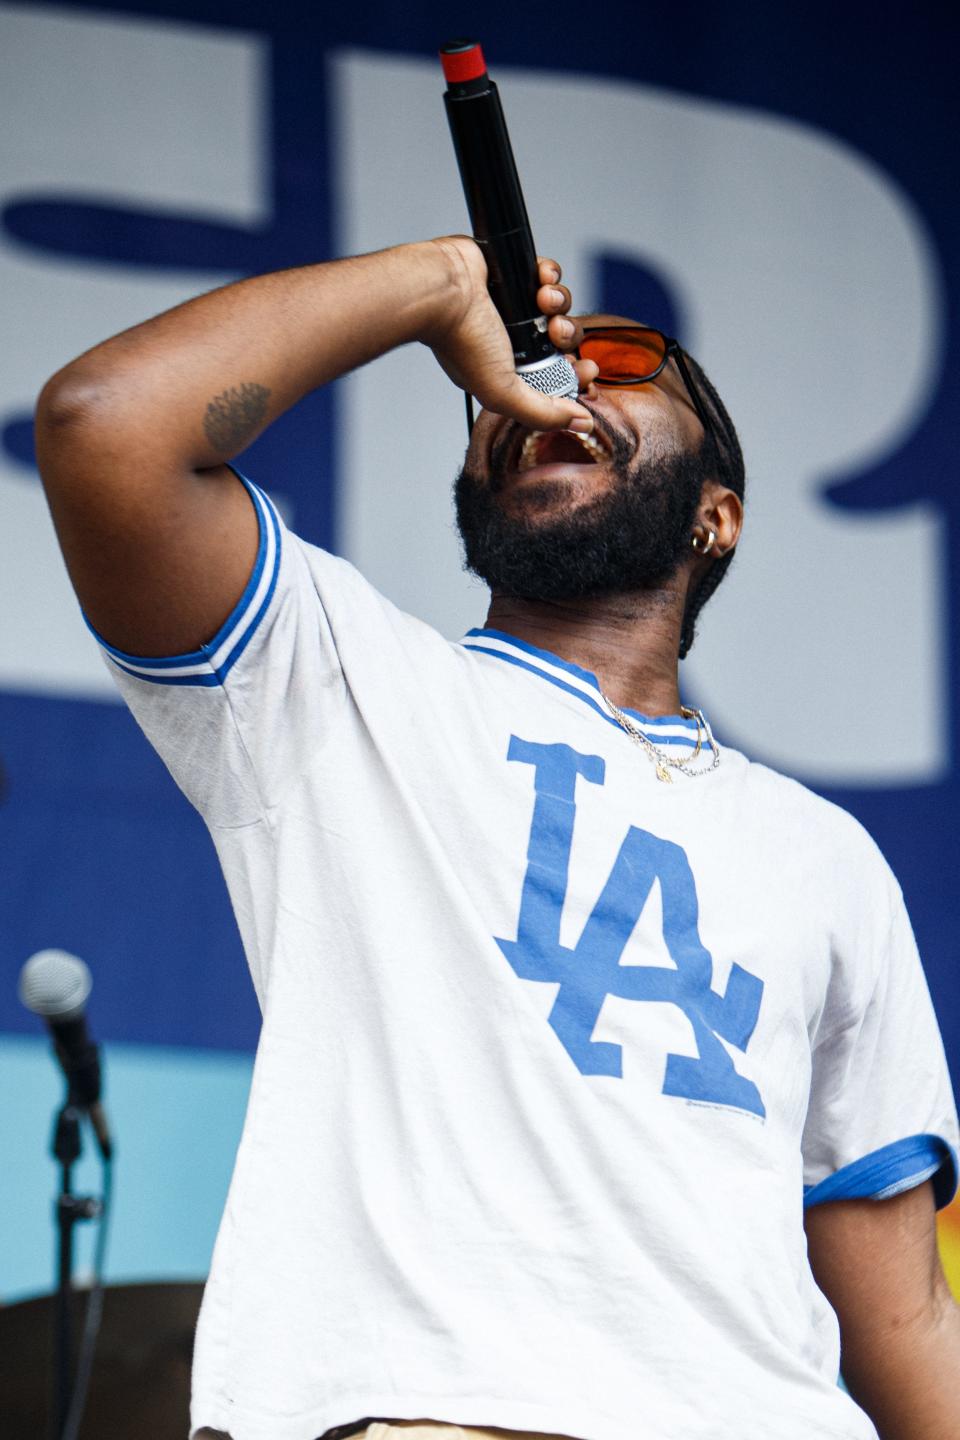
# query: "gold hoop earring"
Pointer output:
{"type": "Point", "coordinates": [697, 542]}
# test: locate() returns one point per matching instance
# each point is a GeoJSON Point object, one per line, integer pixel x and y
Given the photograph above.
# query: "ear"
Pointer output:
{"type": "Point", "coordinates": [720, 510]}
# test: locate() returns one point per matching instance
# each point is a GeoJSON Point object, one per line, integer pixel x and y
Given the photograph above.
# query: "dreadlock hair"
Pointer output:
{"type": "Point", "coordinates": [723, 454]}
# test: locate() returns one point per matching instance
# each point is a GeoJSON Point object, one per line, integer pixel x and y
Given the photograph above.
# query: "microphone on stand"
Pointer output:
{"type": "Point", "coordinates": [56, 986]}
{"type": "Point", "coordinates": [498, 215]}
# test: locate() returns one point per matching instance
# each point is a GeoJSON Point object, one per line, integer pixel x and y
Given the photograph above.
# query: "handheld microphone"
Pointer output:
{"type": "Point", "coordinates": [56, 986]}
{"type": "Point", "coordinates": [499, 216]}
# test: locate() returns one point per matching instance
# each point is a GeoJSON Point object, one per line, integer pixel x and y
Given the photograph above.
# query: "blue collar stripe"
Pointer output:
{"type": "Point", "coordinates": [544, 657]}
{"type": "Point", "coordinates": [535, 670]}
{"type": "Point", "coordinates": [671, 730]}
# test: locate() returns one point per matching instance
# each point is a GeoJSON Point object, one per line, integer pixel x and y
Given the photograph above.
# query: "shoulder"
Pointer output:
{"type": "Point", "coordinates": [346, 593]}
{"type": "Point", "coordinates": [782, 794]}
{"type": "Point", "coordinates": [823, 829]}
{"type": "Point", "coordinates": [374, 637]}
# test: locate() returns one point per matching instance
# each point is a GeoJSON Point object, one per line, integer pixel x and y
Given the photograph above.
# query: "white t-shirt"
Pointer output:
{"type": "Point", "coordinates": [550, 1049]}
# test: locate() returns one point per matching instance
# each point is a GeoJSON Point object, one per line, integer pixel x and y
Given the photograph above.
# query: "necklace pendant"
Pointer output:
{"type": "Point", "coordinates": [660, 761]}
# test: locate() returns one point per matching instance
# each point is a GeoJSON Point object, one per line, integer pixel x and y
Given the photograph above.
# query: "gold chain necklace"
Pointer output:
{"type": "Point", "coordinates": [662, 762]}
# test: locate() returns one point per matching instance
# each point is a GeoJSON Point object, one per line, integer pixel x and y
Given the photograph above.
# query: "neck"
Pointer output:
{"type": "Point", "coordinates": [630, 642]}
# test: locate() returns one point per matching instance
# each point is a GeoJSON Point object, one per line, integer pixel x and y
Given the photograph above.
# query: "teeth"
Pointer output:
{"type": "Point", "coordinates": [592, 444]}
{"type": "Point", "coordinates": [528, 454]}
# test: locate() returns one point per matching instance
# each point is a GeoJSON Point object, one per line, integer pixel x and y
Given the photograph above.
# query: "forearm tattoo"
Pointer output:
{"type": "Point", "coordinates": [232, 417]}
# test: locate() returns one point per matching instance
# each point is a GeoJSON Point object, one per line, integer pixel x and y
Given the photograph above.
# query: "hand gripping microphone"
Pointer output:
{"type": "Point", "coordinates": [499, 217]}
{"type": "Point", "coordinates": [55, 986]}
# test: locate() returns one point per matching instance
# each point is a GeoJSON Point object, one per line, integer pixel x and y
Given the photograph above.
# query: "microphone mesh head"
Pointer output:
{"type": "Point", "coordinates": [553, 376]}
{"type": "Point", "coordinates": [54, 984]}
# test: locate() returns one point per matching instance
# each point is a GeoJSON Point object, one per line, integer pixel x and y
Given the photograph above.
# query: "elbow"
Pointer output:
{"type": "Point", "coordinates": [68, 403]}
{"type": "Point", "coordinates": [74, 414]}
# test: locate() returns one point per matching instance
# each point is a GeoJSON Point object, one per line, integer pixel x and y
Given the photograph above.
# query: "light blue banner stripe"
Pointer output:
{"type": "Point", "coordinates": [176, 1116]}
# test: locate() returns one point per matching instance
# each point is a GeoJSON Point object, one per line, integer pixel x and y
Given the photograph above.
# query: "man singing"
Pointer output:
{"type": "Point", "coordinates": [580, 1030]}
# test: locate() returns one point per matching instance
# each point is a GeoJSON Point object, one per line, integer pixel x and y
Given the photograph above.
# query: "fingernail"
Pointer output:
{"type": "Point", "coordinates": [565, 326]}
{"type": "Point", "coordinates": [554, 272]}
{"type": "Point", "coordinates": [557, 296]}
{"type": "Point", "coordinates": [582, 424]}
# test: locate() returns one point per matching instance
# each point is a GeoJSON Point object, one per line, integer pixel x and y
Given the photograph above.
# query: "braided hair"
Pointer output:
{"type": "Point", "coordinates": [722, 455]}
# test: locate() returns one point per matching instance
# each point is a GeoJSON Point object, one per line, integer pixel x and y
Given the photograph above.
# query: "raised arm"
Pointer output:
{"type": "Point", "coordinates": [877, 1264]}
{"type": "Point", "coordinates": [132, 436]}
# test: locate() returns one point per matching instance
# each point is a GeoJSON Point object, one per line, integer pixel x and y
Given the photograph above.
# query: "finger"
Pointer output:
{"type": "Point", "coordinates": [519, 401]}
{"type": "Point", "coordinates": [566, 331]}
{"type": "Point", "coordinates": [548, 270]}
{"type": "Point", "coordinates": [587, 372]}
{"type": "Point", "coordinates": [554, 299]}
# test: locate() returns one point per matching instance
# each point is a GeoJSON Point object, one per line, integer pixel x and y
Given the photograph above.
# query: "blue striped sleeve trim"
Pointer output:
{"type": "Point", "coordinates": [891, 1170]}
{"type": "Point", "coordinates": [579, 682]}
{"type": "Point", "coordinates": [212, 663]}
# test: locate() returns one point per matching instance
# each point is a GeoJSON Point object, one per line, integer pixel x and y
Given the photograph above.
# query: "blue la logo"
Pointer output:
{"type": "Point", "coordinates": [592, 970]}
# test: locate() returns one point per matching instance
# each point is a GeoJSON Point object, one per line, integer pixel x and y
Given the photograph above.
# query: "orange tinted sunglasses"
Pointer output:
{"type": "Point", "coordinates": [630, 355]}
{"type": "Point", "coordinates": [634, 354]}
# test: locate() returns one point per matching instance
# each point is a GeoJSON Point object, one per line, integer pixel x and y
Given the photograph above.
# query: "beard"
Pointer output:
{"type": "Point", "coordinates": [631, 538]}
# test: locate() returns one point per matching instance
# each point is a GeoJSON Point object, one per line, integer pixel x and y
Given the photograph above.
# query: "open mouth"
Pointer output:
{"type": "Point", "coordinates": [556, 447]}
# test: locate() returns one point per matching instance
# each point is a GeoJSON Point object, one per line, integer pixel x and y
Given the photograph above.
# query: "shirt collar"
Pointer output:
{"type": "Point", "coordinates": [664, 730]}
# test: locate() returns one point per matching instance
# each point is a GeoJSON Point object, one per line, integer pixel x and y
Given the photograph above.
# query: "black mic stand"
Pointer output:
{"type": "Point", "coordinates": [69, 1210]}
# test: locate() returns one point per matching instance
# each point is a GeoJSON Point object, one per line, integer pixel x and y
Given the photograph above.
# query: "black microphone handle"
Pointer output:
{"type": "Point", "coordinates": [79, 1058]}
{"type": "Point", "coordinates": [498, 215]}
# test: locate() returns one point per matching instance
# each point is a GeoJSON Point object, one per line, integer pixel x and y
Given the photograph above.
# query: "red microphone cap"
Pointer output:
{"type": "Point", "coordinates": [462, 60]}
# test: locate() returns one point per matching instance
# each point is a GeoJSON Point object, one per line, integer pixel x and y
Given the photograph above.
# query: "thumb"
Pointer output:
{"type": "Point", "coordinates": [521, 401]}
